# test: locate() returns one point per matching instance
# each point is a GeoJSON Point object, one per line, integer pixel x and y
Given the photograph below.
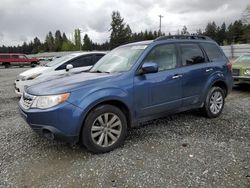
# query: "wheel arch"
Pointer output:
{"type": "Point", "coordinates": [222, 85]}
{"type": "Point", "coordinates": [114, 102]}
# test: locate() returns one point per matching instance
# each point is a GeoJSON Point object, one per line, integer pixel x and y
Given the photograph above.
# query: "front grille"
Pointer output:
{"type": "Point", "coordinates": [236, 72]}
{"type": "Point", "coordinates": [27, 100]}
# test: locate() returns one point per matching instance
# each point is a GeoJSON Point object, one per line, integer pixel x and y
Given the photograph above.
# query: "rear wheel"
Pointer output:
{"type": "Point", "coordinates": [214, 102]}
{"type": "Point", "coordinates": [105, 129]}
{"type": "Point", "coordinates": [6, 65]}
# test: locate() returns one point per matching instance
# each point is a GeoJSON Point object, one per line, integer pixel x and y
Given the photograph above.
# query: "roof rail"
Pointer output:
{"type": "Point", "coordinates": [184, 37]}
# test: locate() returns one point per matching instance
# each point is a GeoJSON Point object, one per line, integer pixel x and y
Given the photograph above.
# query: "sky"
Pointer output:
{"type": "Point", "coordinates": [22, 20]}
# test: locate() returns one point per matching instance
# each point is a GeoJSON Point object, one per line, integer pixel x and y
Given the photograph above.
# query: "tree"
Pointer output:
{"type": "Point", "coordinates": [49, 42]}
{"type": "Point", "coordinates": [184, 31]}
{"type": "Point", "coordinates": [246, 15]}
{"type": "Point", "coordinates": [221, 34]}
{"type": "Point", "coordinates": [58, 41]}
{"type": "Point", "coordinates": [211, 30]}
{"type": "Point", "coordinates": [78, 39]}
{"type": "Point", "coordinates": [87, 43]}
{"type": "Point", "coordinates": [120, 31]}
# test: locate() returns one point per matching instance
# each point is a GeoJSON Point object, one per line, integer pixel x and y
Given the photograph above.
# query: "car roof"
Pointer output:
{"type": "Point", "coordinates": [87, 53]}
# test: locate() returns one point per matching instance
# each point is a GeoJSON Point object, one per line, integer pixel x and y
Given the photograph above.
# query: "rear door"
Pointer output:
{"type": "Point", "coordinates": [196, 70]}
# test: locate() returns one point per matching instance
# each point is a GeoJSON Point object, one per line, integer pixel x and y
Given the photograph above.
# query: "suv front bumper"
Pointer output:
{"type": "Point", "coordinates": [60, 122]}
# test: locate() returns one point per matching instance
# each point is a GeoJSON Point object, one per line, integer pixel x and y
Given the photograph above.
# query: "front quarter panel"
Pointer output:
{"type": "Point", "coordinates": [89, 99]}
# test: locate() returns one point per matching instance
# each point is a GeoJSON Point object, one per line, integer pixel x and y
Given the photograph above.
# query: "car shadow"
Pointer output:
{"type": "Point", "coordinates": [242, 87]}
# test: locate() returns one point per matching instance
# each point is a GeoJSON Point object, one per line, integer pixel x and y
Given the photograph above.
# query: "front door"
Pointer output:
{"type": "Point", "coordinates": [155, 93]}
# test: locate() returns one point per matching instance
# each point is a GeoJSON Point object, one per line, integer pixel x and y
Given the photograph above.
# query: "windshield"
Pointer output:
{"type": "Point", "coordinates": [119, 60]}
{"type": "Point", "coordinates": [243, 59]}
{"type": "Point", "coordinates": [58, 61]}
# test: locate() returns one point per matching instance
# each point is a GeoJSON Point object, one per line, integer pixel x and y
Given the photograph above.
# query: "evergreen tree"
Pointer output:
{"type": "Point", "coordinates": [58, 41]}
{"type": "Point", "coordinates": [120, 31]}
{"type": "Point", "coordinates": [87, 43]}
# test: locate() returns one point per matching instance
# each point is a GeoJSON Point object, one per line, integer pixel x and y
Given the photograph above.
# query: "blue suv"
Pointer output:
{"type": "Point", "coordinates": [131, 84]}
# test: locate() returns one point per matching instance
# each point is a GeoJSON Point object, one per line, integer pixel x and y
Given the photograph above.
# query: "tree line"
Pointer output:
{"type": "Point", "coordinates": [237, 32]}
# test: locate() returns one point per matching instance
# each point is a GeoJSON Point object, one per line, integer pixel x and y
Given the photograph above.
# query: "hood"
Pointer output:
{"type": "Point", "coordinates": [67, 83]}
{"type": "Point", "coordinates": [241, 65]}
{"type": "Point", "coordinates": [35, 70]}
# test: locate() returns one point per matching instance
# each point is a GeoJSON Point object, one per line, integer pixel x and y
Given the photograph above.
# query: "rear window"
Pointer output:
{"type": "Point", "coordinates": [213, 52]}
{"type": "Point", "coordinates": [191, 54]}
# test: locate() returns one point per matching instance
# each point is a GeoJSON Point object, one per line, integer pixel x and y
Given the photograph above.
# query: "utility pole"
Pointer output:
{"type": "Point", "coordinates": [160, 24]}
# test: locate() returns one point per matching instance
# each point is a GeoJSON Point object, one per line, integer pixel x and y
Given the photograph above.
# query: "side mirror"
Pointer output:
{"type": "Point", "coordinates": [149, 67]}
{"type": "Point", "coordinates": [68, 67]}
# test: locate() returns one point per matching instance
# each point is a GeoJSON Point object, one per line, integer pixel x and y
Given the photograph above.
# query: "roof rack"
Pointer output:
{"type": "Point", "coordinates": [185, 37]}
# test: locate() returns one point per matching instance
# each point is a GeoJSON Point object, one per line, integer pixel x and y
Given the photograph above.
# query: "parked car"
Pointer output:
{"type": "Point", "coordinates": [131, 84]}
{"type": "Point", "coordinates": [73, 63]}
{"type": "Point", "coordinates": [7, 60]}
{"type": "Point", "coordinates": [241, 69]}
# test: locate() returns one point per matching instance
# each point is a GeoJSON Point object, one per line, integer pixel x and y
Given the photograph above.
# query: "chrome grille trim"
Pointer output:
{"type": "Point", "coordinates": [27, 100]}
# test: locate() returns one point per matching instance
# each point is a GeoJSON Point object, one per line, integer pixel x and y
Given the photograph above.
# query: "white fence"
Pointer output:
{"type": "Point", "coordinates": [236, 50]}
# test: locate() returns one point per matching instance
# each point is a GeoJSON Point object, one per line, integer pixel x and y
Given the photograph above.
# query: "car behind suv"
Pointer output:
{"type": "Point", "coordinates": [65, 65]}
{"type": "Point", "coordinates": [131, 84]}
{"type": "Point", "coordinates": [20, 60]}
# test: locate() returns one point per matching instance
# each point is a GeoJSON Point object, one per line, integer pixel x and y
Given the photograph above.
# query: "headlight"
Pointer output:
{"type": "Point", "coordinates": [44, 102]}
{"type": "Point", "coordinates": [247, 72]}
{"type": "Point", "coordinates": [31, 77]}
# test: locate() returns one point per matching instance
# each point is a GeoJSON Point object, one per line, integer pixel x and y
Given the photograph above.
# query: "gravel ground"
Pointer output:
{"type": "Point", "coordinates": [182, 150]}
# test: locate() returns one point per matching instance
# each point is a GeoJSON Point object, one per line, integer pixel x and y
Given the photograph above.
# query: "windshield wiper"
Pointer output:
{"type": "Point", "coordinates": [98, 71]}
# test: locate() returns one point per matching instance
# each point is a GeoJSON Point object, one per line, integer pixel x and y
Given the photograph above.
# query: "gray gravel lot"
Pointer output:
{"type": "Point", "coordinates": [182, 150]}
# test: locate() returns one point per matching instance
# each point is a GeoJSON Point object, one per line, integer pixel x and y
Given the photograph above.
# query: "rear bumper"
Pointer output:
{"type": "Point", "coordinates": [59, 123]}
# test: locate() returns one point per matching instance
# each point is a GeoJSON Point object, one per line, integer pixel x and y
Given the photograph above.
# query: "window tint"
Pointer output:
{"type": "Point", "coordinates": [191, 54]}
{"type": "Point", "coordinates": [15, 56]}
{"type": "Point", "coordinates": [4, 56]}
{"type": "Point", "coordinates": [164, 56]}
{"type": "Point", "coordinates": [79, 62]}
{"type": "Point", "coordinates": [97, 57]}
{"type": "Point", "coordinates": [22, 57]}
{"type": "Point", "coordinates": [213, 52]}
{"type": "Point", "coordinates": [82, 61]}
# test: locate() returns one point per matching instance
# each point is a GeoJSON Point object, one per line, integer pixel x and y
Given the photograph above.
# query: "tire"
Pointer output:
{"type": "Point", "coordinates": [98, 136]}
{"type": "Point", "coordinates": [33, 64]}
{"type": "Point", "coordinates": [214, 102]}
{"type": "Point", "coordinates": [6, 65]}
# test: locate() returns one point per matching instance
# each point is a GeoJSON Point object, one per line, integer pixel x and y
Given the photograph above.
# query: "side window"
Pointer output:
{"type": "Point", "coordinates": [97, 57]}
{"type": "Point", "coordinates": [191, 54]}
{"type": "Point", "coordinates": [22, 57]}
{"type": "Point", "coordinates": [15, 56]}
{"type": "Point", "coordinates": [4, 56]}
{"type": "Point", "coordinates": [82, 61]}
{"type": "Point", "coordinates": [213, 52]}
{"type": "Point", "coordinates": [164, 56]}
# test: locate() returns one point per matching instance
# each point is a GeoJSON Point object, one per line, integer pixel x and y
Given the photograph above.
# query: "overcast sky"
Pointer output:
{"type": "Point", "coordinates": [22, 20]}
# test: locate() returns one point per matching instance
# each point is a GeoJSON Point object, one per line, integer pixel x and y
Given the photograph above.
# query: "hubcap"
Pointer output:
{"type": "Point", "coordinates": [106, 129]}
{"type": "Point", "coordinates": [216, 102]}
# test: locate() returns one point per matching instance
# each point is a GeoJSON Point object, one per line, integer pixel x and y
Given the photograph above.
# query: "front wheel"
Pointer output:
{"type": "Point", "coordinates": [105, 129]}
{"type": "Point", "coordinates": [214, 102]}
{"type": "Point", "coordinates": [33, 64]}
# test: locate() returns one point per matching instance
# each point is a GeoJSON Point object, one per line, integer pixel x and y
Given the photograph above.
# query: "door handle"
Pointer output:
{"type": "Point", "coordinates": [176, 76]}
{"type": "Point", "coordinates": [209, 70]}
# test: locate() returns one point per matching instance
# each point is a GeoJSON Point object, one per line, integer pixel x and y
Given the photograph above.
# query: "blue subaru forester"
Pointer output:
{"type": "Point", "coordinates": [131, 84]}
